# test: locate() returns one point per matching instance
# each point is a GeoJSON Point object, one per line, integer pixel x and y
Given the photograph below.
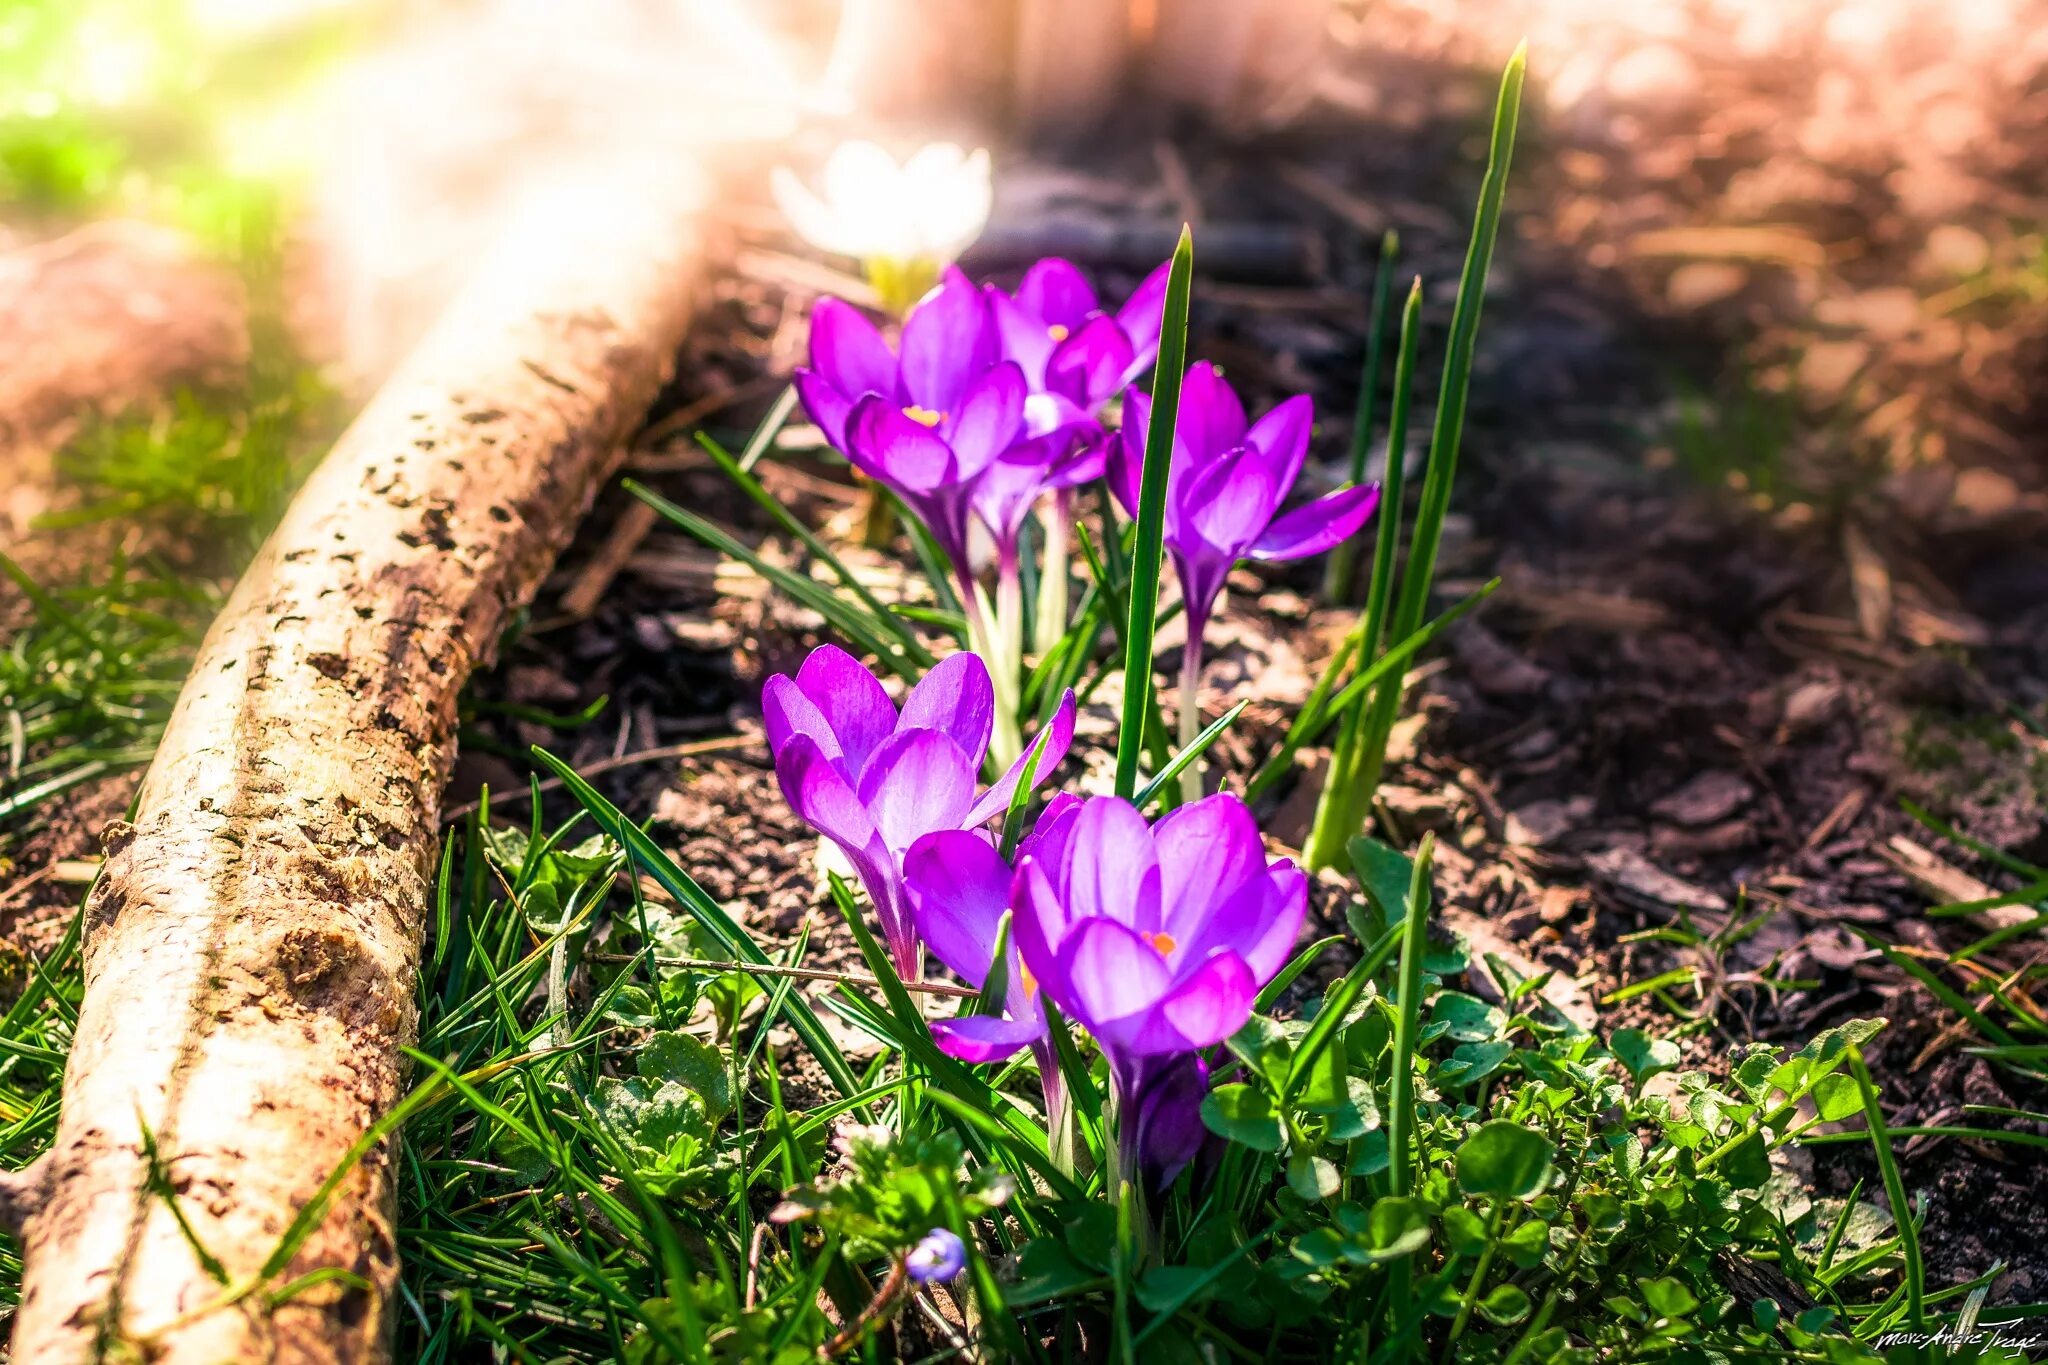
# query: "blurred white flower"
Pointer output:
{"type": "Point", "coordinates": [905, 223]}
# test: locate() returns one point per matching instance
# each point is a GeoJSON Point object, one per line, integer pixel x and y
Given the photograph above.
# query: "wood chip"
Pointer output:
{"type": "Point", "coordinates": [1640, 881]}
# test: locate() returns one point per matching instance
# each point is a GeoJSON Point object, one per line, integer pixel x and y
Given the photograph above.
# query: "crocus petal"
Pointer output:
{"type": "Point", "coordinates": [1057, 293]}
{"type": "Point", "coordinates": [959, 890]}
{"type": "Point", "coordinates": [827, 406]}
{"type": "Point", "coordinates": [1039, 919]}
{"type": "Point", "coordinates": [1088, 463]}
{"type": "Point", "coordinates": [1169, 1119]}
{"type": "Point", "coordinates": [948, 193]}
{"type": "Point", "coordinates": [949, 339]}
{"type": "Point", "coordinates": [956, 698]}
{"type": "Point", "coordinates": [1008, 488]}
{"type": "Point", "coordinates": [1207, 850]}
{"type": "Point", "coordinates": [1110, 977]}
{"type": "Point", "coordinates": [1316, 526]}
{"type": "Point", "coordinates": [918, 781]}
{"type": "Point", "coordinates": [1126, 457]}
{"type": "Point", "coordinates": [983, 1038]}
{"type": "Point", "coordinates": [818, 791]}
{"type": "Point", "coordinates": [1089, 365]}
{"type": "Point", "coordinates": [787, 712]}
{"type": "Point", "coordinates": [1051, 830]}
{"type": "Point", "coordinates": [1211, 418]}
{"type": "Point", "coordinates": [1112, 869]}
{"type": "Point", "coordinates": [1142, 314]}
{"type": "Point", "coordinates": [1281, 436]}
{"type": "Point", "coordinates": [849, 351]}
{"type": "Point", "coordinates": [989, 416]}
{"type": "Point", "coordinates": [814, 220]}
{"type": "Point", "coordinates": [851, 700]}
{"type": "Point", "coordinates": [1050, 746]}
{"type": "Point", "coordinates": [1024, 336]}
{"type": "Point", "coordinates": [893, 448]}
{"type": "Point", "coordinates": [1228, 503]}
{"type": "Point", "coordinates": [1259, 919]}
{"type": "Point", "coordinates": [1202, 571]}
{"type": "Point", "coordinates": [1203, 1008]}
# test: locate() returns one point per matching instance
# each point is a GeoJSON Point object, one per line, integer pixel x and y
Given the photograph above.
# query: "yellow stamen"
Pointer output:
{"type": "Point", "coordinates": [924, 416]}
{"type": "Point", "coordinates": [1058, 331]}
{"type": "Point", "coordinates": [1026, 979]}
{"type": "Point", "coordinates": [1163, 944]}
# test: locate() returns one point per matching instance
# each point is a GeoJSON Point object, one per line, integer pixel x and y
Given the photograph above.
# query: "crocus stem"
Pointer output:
{"type": "Point", "coordinates": [1123, 1176]}
{"type": "Point", "coordinates": [1051, 622]}
{"type": "Point", "coordinates": [1007, 657]}
{"type": "Point", "coordinates": [1191, 709]}
{"type": "Point", "coordinates": [1059, 1116]}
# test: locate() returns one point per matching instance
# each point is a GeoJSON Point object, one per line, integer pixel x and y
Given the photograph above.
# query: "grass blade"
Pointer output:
{"type": "Point", "coordinates": [708, 912]}
{"type": "Point", "coordinates": [856, 625]}
{"type": "Point", "coordinates": [787, 520]}
{"type": "Point", "coordinates": [1144, 589]}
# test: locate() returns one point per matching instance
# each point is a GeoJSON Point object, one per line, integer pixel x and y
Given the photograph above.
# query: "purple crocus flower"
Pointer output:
{"type": "Point", "coordinates": [1224, 485]}
{"type": "Point", "coordinates": [939, 1255]}
{"type": "Point", "coordinates": [949, 341]}
{"type": "Point", "coordinates": [1067, 343]}
{"type": "Point", "coordinates": [1155, 938]}
{"type": "Point", "coordinates": [1227, 479]}
{"type": "Point", "coordinates": [949, 424]}
{"type": "Point", "coordinates": [873, 780]}
{"type": "Point", "coordinates": [1074, 351]}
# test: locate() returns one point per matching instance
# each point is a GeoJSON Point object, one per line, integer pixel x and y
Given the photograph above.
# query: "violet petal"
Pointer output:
{"type": "Point", "coordinates": [918, 781]}
{"type": "Point", "coordinates": [959, 890]}
{"type": "Point", "coordinates": [957, 698]}
{"type": "Point", "coordinates": [851, 700]}
{"type": "Point", "coordinates": [1050, 744]}
{"type": "Point", "coordinates": [1319, 525]}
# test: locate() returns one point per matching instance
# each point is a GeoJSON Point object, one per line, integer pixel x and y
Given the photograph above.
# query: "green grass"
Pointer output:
{"type": "Point", "coordinates": [600, 1147]}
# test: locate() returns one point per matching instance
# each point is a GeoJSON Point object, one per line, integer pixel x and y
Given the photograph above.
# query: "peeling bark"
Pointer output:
{"type": "Point", "coordinates": [253, 945]}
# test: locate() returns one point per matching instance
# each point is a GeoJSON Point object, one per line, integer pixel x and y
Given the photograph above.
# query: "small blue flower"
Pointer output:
{"type": "Point", "coordinates": [940, 1256]}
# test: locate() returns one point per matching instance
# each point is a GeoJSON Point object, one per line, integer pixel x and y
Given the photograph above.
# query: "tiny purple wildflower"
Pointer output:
{"type": "Point", "coordinates": [939, 1255]}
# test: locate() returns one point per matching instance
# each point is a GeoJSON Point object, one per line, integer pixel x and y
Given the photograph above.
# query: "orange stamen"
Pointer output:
{"type": "Point", "coordinates": [924, 416]}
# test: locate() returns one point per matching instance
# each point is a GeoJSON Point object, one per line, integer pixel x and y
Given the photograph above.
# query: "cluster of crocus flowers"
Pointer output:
{"type": "Point", "coordinates": [1225, 483]}
{"type": "Point", "coordinates": [1156, 938]}
{"type": "Point", "coordinates": [985, 407]}
{"type": "Point", "coordinates": [874, 779]}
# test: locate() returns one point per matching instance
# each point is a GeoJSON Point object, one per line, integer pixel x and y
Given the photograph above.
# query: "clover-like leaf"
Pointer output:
{"type": "Point", "coordinates": [1504, 1160]}
{"type": "Point", "coordinates": [1244, 1114]}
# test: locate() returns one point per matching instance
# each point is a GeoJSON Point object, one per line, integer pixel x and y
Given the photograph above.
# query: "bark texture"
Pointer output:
{"type": "Point", "coordinates": [253, 944]}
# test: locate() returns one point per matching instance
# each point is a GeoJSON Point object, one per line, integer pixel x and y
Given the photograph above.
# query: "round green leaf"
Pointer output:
{"type": "Point", "coordinates": [1244, 1115]}
{"type": "Point", "coordinates": [1504, 1160]}
{"type": "Point", "coordinates": [1505, 1305]}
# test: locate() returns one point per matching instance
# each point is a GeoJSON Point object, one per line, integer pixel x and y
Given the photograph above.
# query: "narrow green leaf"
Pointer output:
{"type": "Point", "coordinates": [1144, 590]}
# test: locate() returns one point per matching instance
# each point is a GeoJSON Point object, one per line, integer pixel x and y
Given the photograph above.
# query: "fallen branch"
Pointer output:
{"type": "Point", "coordinates": [252, 948]}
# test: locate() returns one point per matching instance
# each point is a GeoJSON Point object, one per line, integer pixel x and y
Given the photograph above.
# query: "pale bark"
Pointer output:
{"type": "Point", "coordinates": [253, 945]}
